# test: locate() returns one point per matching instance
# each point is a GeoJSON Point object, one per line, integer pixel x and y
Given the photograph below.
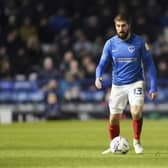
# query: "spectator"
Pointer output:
{"type": "Point", "coordinates": [27, 30]}
{"type": "Point", "coordinates": [70, 88]}
{"type": "Point", "coordinates": [45, 33]}
{"type": "Point", "coordinates": [5, 70]}
{"type": "Point", "coordinates": [92, 27]}
{"type": "Point", "coordinates": [163, 69]}
{"type": "Point", "coordinates": [89, 67]}
{"type": "Point", "coordinates": [68, 57]}
{"type": "Point", "coordinates": [52, 107]}
{"type": "Point", "coordinates": [81, 44]}
{"type": "Point", "coordinates": [75, 70]}
{"type": "Point", "coordinates": [22, 62]}
{"type": "Point", "coordinates": [48, 75]}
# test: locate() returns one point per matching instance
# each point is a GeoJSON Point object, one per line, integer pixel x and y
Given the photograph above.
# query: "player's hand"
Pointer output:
{"type": "Point", "coordinates": [98, 83]}
{"type": "Point", "coordinates": [153, 95]}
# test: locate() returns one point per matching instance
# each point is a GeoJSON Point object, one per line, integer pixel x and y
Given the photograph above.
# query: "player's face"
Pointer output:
{"type": "Point", "coordinates": [123, 29]}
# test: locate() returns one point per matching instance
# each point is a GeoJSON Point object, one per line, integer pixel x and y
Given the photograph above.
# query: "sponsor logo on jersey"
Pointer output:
{"type": "Point", "coordinates": [125, 59]}
{"type": "Point", "coordinates": [114, 50]}
{"type": "Point", "coordinates": [131, 49]}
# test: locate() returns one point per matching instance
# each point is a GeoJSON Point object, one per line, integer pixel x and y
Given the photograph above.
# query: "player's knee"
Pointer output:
{"type": "Point", "coordinates": [136, 116]}
{"type": "Point", "coordinates": [114, 119]}
{"type": "Point", "coordinates": [136, 112]}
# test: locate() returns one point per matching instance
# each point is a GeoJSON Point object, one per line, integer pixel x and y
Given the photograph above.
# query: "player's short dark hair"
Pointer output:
{"type": "Point", "coordinates": [123, 17]}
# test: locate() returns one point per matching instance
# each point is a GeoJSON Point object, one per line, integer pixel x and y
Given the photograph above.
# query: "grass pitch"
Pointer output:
{"type": "Point", "coordinates": [78, 144]}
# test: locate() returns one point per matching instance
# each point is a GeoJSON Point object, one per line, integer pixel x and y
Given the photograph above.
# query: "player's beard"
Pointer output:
{"type": "Point", "coordinates": [123, 35]}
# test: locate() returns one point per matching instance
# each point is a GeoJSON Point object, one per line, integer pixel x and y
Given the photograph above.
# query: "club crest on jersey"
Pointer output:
{"type": "Point", "coordinates": [131, 49]}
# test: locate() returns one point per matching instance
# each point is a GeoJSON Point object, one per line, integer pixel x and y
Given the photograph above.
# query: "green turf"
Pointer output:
{"type": "Point", "coordinates": [79, 144]}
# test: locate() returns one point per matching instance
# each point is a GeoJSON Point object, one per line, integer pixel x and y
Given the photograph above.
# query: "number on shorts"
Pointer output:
{"type": "Point", "coordinates": [138, 91]}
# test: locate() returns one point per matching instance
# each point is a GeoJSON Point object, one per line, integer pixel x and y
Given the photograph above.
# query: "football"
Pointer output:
{"type": "Point", "coordinates": [119, 145]}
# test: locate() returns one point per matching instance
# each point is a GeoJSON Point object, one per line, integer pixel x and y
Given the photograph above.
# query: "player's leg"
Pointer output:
{"type": "Point", "coordinates": [137, 122]}
{"type": "Point", "coordinates": [136, 99]}
{"type": "Point", "coordinates": [114, 128]}
{"type": "Point", "coordinates": [114, 125]}
{"type": "Point", "coordinates": [117, 103]}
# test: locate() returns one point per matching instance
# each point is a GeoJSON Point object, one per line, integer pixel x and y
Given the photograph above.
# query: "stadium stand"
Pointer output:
{"type": "Point", "coordinates": [70, 38]}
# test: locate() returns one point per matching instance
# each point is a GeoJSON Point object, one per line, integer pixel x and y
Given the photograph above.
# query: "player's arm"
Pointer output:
{"type": "Point", "coordinates": [148, 60]}
{"type": "Point", "coordinates": [105, 57]}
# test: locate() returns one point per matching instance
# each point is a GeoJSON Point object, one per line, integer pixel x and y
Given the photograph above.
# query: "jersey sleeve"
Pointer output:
{"type": "Point", "coordinates": [148, 61]}
{"type": "Point", "coordinates": [104, 60]}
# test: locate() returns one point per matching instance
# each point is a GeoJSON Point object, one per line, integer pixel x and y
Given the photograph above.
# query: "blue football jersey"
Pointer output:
{"type": "Point", "coordinates": [127, 58]}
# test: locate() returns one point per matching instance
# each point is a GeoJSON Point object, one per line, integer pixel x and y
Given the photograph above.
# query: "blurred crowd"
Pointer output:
{"type": "Point", "coordinates": [58, 43]}
{"type": "Point", "coordinates": [72, 33]}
